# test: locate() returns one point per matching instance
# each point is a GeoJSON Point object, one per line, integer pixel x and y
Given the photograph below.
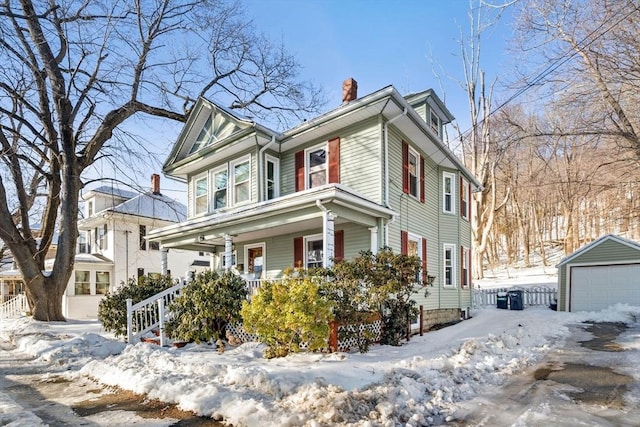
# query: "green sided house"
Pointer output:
{"type": "Point", "coordinates": [603, 273]}
{"type": "Point", "coordinates": [373, 172]}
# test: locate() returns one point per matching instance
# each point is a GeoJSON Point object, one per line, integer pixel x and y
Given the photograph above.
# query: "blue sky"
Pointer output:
{"type": "Point", "coordinates": [379, 43]}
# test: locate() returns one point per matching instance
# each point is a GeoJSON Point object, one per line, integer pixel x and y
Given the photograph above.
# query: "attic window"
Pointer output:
{"type": "Point", "coordinates": [216, 127]}
{"type": "Point", "coordinates": [435, 123]}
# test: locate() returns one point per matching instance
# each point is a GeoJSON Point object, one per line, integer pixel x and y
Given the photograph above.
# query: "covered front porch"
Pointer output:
{"type": "Point", "coordinates": [311, 228]}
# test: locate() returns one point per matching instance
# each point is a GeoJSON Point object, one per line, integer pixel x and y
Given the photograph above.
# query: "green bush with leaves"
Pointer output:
{"type": "Point", "coordinates": [205, 307]}
{"type": "Point", "coordinates": [112, 310]}
{"type": "Point", "coordinates": [288, 313]}
{"type": "Point", "coordinates": [384, 283]}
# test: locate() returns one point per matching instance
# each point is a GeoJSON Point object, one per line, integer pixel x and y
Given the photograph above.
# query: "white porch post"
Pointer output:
{"type": "Point", "coordinates": [163, 261]}
{"type": "Point", "coordinates": [374, 240]}
{"type": "Point", "coordinates": [228, 251]}
{"type": "Point", "coordinates": [212, 260]}
{"type": "Point", "coordinates": [328, 238]}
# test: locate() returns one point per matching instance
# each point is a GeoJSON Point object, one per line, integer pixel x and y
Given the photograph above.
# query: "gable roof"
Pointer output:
{"type": "Point", "coordinates": [111, 191]}
{"type": "Point", "coordinates": [386, 102]}
{"type": "Point", "coordinates": [598, 242]}
{"type": "Point", "coordinates": [152, 205]}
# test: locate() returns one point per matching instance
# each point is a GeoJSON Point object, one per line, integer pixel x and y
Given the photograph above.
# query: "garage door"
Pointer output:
{"type": "Point", "coordinates": [598, 287]}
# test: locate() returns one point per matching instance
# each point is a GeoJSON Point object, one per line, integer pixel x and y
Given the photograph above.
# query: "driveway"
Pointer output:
{"type": "Point", "coordinates": [582, 383]}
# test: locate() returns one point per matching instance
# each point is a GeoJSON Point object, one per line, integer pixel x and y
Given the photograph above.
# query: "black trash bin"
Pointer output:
{"type": "Point", "coordinates": [503, 300]}
{"type": "Point", "coordinates": [515, 300]}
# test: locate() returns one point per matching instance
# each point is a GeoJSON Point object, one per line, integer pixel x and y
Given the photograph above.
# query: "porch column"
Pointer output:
{"type": "Point", "coordinates": [374, 240]}
{"type": "Point", "coordinates": [163, 260]}
{"type": "Point", "coordinates": [212, 260]}
{"type": "Point", "coordinates": [228, 251]}
{"type": "Point", "coordinates": [328, 238]}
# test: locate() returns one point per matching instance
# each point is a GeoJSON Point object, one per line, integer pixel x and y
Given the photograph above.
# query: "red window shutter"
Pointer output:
{"type": "Point", "coordinates": [424, 260]}
{"type": "Point", "coordinates": [298, 252]}
{"type": "Point", "coordinates": [338, 243]}
{"type": "Point", "coordinates": [421, 179]}
{"type": "Point", "coordinates": [463, 275]}
{"type": "Point", "coordinates": [462, 209]}
{"type": "Point", "coordinates": [299, 165]}
{"type": "Point", "coordinates": [334, 160]}
{"type": "Point", "coordinates": [469, 211]}
{"type": "Point", "coordinates": [405, 167]}
{"type": "Point", "coordinates": [404, 242]}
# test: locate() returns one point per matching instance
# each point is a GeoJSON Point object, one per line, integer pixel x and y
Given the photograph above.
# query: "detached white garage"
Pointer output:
{"type": "Point", "coordinates": [600, 274]}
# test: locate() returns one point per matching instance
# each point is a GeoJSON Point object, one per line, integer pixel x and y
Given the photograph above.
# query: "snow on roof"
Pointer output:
{"type": "Point", "coordinates": [153, 206]}
{"type": "Point", "coordinates": [113, 191]}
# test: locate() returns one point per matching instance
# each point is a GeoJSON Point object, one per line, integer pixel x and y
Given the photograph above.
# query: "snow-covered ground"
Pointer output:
{"type": "Point", "coordinates": [420, 383]}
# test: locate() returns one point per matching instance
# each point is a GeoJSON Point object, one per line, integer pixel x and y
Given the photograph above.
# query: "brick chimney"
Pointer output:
{"type": "Point", "coordinates": [155, 183]}
{"type": "Point", "coordinates": [349, 90]}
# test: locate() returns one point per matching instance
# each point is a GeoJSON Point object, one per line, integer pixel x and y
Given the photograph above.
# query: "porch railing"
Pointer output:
{"type": "Point", "coordinates": [150, 314]}
{"type": "Point", "coordinates": [14, 307]}
{"type": "Point", "coordinates": [531, 296]}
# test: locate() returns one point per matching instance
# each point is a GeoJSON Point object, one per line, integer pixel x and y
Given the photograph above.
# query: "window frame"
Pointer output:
{"type": "Point", "coordinates": [449, 247]}
{"type": "Point", "coordinates": [450, 195]}
{"type": "Point", "coordinates": [232, 183]}
{"type": "Point", "coordinates": [412, 237]}
{"type": "Point", "coordinates": [413, 153]}
{"type": "Point", "coordinates": [465, 268]}
{"type": "Point", "coordinates": [276, 178]}
{"type": "Point", "coordinates": [438, 125]}
{"type": "Point", "coordinates": [465, 200]}
{"type": "Point", "coordinates": [100, 284]}
{"type": "Point", "coordinates": [86, 283]}
{"type": "Point", "coordinates": [203, 177]}
{"type": "Point", "coordinates": [305, 251]}
{"type": "Point", "coordinates": [213, 190]}
{"type": "Point", "coordinates": [247, 248]}
{"type": "Point", "coordinates": [308, 168]}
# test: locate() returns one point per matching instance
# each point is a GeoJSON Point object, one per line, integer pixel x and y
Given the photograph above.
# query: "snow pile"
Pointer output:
{"type": "Point", "coordinates": [419, 383]}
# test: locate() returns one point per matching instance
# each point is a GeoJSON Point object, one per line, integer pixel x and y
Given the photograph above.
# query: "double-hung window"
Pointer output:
{"type": "Point", "coordinates": [102, 282]}
{"type": "Point", "coordinates": [414, 172]}
{"type": "Point", "coordinates": [82, 283]}
{"type": "Point", "coordinates": [414, 248]}
{"type": "Point", "coordinates": [465, 267]}
{"type": "Point", "coordinates": [316, 161]}
{"type": "Point", "coordinates": [272, 177]}
{"type": "Point", "coordinates": [464, 199]}
{"type": "Point", "coordinates": [201, 195]}
{"type": "Point", "coordinates": [241, 181]}
{"type": "Point", "coordinates": [101, 237]}
{"type": "Point", "coordinates": [448, 190]}
{"type": "Point", "coordinates": [449, 265]}
{"type": "Point", "coordinates": [435, 123]}
{"type": "Point", "coordinates": [220, 183]}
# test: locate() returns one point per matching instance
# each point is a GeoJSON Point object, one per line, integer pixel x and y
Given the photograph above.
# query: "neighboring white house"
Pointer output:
{"type": "Point", "coordinates": [112, 245]}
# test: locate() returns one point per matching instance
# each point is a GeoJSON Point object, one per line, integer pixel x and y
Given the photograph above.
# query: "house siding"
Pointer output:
{"type": "Point", "coordinates": [608, 251]}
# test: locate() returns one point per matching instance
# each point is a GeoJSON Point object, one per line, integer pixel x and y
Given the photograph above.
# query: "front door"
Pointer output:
{"type": "Point", "coordinates": [255, 260]}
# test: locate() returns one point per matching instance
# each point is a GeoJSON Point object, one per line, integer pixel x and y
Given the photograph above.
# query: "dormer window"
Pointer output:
{"type": "Point", "coordinates": [90, 208]}
{"type": "Point", "coordinates": [435, 123]}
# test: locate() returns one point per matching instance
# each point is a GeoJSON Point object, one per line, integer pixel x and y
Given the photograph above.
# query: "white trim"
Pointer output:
{"type": "Point", "coordinates": [596, 243]}
{"type": "Point", "coordinates": [307, 168]}
{"type": "Point", "coordinates": [451, 194]}
{"type": "Point", "coordinates": [413, 152]}
{"type": "Point", "coordinates": [305, 241]}
{"type": "Point", "coordinates": [452, 247]}
{"type": "Point", "coordinates": [466, 214]}
{"type": "Point", "coordinates": [194, 182]}
{"type": "Point", "coordinates": [213, 188]}
{"type": "Point", "coordinates": [276, 172]}
{"type": "Point", "coordinates": [231, 184]}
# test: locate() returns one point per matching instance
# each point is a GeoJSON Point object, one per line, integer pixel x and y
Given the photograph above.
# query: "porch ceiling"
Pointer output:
{"type": "Point", "coordinates": [289, 214]}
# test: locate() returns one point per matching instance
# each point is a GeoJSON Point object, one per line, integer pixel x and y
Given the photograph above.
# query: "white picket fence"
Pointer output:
{"type": "Point", "coordinates": [531, 296]}
{"type": "Point", "coordinates": [14, 307]}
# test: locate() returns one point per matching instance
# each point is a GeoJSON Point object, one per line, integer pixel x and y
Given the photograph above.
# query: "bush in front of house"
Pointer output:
{"type": "Point", "coordinates": [384, 283]}
{"type": "Point", "coordinates": [288, 314]}
{"type": "Point", "coordinates": [112, 309]}
{"type": "Point", "coordinates": [205, 306]}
